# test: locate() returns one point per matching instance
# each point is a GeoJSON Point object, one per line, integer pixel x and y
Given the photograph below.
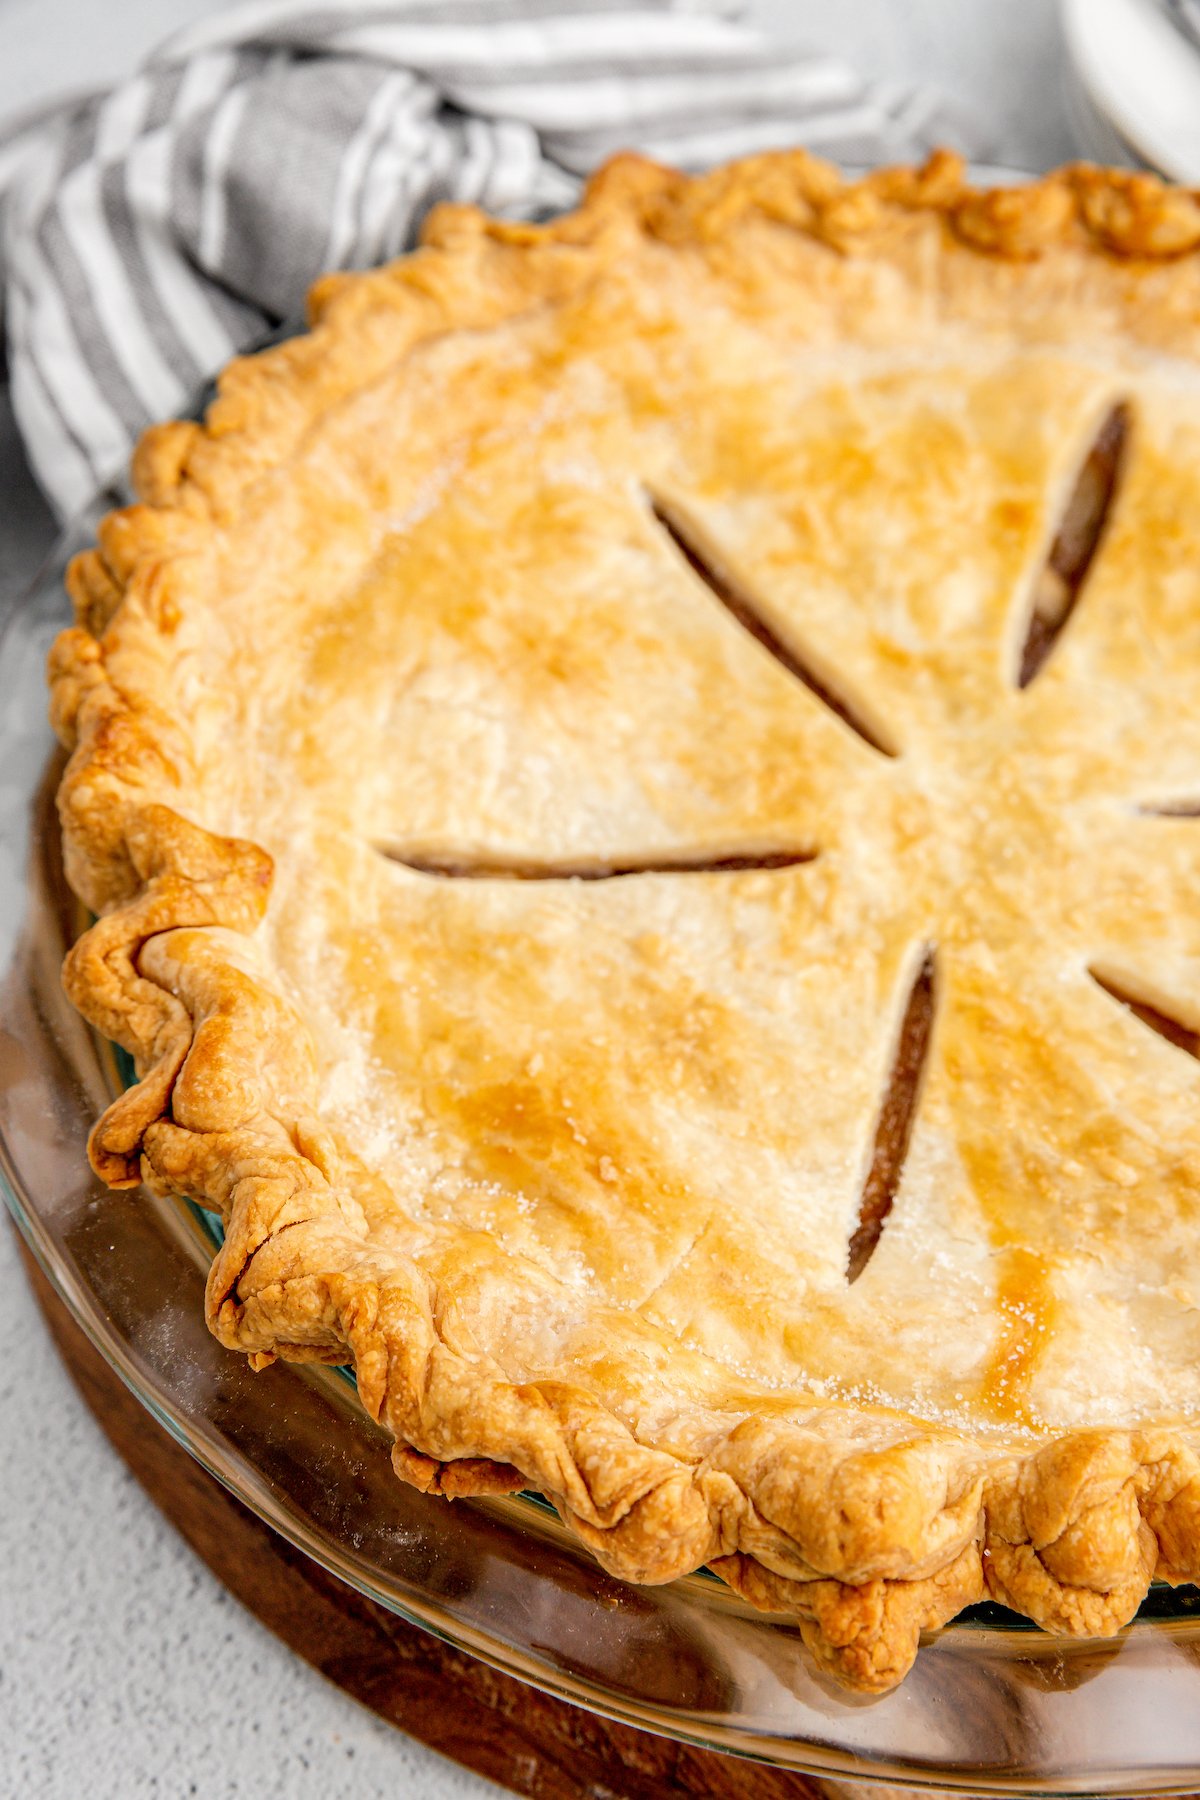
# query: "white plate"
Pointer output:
{"type": "Point", "coordinates": [1142, 77]}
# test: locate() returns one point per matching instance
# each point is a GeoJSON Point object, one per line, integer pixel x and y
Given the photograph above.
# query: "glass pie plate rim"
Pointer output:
{"type": "Point", "coordinates": [992, 1705]}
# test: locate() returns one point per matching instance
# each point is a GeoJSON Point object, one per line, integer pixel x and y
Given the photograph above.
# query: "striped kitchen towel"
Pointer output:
{"type": "Point", "coordinates": [151, 232]}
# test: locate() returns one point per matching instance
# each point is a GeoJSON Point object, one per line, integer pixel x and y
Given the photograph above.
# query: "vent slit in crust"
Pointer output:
{"type": "Point", "coordinates": [1172, 809]}
{"type": "Point", "coordinates": [1184, 1037]}
{"type": "Point", "coordinates": [467, 866]}
{"type": "Point", "coordinates": [896, 1117]}
{"type": "Point", "coordinates": [741, 606]}
{"type": "Point", "coordinates": [1060, 581]}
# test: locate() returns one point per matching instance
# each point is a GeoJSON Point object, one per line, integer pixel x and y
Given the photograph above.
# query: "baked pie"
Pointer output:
{"type": "Point", "coordinates": [639, 785]}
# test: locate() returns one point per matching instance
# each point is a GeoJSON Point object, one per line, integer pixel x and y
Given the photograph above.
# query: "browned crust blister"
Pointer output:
{"type": "Point", "coordinates": [867, 1546]}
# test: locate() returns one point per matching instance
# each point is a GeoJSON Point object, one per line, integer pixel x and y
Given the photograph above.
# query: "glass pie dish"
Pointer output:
{"type": "Point", "coordinates": [993, 1705]}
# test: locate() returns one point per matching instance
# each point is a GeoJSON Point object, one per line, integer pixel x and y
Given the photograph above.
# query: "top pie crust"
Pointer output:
{"type": "Point", "coordinates": [570, 1168]}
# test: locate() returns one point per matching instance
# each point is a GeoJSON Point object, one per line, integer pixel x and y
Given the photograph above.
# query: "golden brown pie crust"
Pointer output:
{"type": "Point", "coordinates": [869, 1522]}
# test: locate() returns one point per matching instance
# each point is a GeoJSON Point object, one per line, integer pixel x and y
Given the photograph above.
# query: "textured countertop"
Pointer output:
{"type": "Point", "coordinates": [125, 1668]}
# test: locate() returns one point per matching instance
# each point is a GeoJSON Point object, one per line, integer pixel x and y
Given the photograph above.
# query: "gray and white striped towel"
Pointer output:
{"type": "Point", "coordinates": [151, 232]}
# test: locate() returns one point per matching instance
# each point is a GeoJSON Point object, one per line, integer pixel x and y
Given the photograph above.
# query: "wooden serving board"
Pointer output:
{"type": "Point", "coordinates": [489, 1722]}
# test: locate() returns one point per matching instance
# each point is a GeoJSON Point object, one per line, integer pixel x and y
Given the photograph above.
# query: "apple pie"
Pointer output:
{"type": "Point", "coordinates": [640, 789]}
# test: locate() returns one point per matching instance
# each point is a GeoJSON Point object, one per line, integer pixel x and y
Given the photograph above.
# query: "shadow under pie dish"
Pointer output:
{"type": "Point", "coordinates": [639, 789]}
